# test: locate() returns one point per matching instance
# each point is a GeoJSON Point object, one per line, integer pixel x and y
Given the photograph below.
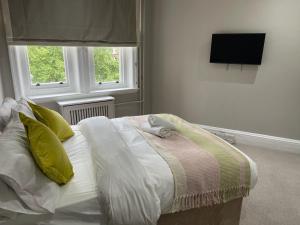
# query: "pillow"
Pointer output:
{"type": "Point", "coordinates": [19, 171]}
{"type": "Point", "coordinates": [47, 150]}
{"type": "Point", "coordinates": [10, 104]}
{"type": "Point", "coordinates": [53, 120]}
{"type": "Point", "coordinates": [24, 108]}
{"type": "Point", "coordinates": [5, 111]}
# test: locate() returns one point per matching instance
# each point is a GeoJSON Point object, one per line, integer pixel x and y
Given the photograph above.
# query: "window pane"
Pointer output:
{"type": "Point", "coordinates": [46, 64]}
{"type": "Point", "coordinates": [107, 64]}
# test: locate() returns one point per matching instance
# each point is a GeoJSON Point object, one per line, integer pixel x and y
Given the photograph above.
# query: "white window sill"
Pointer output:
{"type": "Point", "coordinates": [75, 95]}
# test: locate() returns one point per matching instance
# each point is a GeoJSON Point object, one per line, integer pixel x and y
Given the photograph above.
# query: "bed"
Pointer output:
{"type": "Point", "coordinates": [80, 200]}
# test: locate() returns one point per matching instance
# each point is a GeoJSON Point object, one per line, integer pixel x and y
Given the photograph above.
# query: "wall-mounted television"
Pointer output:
{"type": "Point", "coordinates": [237, 48]}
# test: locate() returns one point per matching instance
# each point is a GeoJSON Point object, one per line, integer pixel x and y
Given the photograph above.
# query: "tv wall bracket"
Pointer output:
{"type": "Point", "coordinates": [227, 67]}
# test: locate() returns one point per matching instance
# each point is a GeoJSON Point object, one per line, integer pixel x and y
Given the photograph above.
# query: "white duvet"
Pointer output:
{"type": "Point", "coordinates": [125, 189]}
{"type": "Point", "coordinates": [135, 185]}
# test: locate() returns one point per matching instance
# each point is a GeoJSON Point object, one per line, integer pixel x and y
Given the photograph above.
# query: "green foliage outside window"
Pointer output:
{"type": "Point", "coordinates": [46, 64]}
{"type": "Point", "coordinates": [106, 64]}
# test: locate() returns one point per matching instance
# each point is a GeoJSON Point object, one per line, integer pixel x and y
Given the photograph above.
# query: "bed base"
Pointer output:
{"type": "Point", "coordinates": [223, 214]}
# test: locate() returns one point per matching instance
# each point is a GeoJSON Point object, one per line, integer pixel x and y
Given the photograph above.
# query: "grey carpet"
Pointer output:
{"type": "Point", "coordinates": [276, 198]}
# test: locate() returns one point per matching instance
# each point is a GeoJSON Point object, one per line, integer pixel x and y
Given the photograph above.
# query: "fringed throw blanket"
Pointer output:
{"type": "Point", "coordinates": [206, 169]}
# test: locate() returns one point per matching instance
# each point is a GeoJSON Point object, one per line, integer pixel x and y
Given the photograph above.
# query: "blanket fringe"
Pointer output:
{"type": "Point", "coordinates": [190, 201]}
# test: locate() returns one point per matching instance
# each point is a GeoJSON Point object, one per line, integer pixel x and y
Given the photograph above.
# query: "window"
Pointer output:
{"type": "Point", "coordinates": [107, 64]}
{"type": "Point", "coordinates": [46, 65]}
{"type": "Point", "coordinates": [52, 70]}
{"type": "Point", "coordinates": [111, 67]}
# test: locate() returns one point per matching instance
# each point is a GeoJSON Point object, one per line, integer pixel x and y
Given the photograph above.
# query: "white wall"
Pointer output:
{"type": "Point", "coordinates": [262, 99]}
{"type": "Point", "coordinates": [1, 91]}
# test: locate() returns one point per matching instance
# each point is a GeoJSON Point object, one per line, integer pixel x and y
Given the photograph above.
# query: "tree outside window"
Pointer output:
{"type": "Point", "coordinates": [107, 64]}
{"type": "Point", "coordinates": [46, 64]}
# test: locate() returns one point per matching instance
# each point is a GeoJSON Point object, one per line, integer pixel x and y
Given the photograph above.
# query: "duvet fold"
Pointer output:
{"type": "Point", "coordinates": [124, 188]}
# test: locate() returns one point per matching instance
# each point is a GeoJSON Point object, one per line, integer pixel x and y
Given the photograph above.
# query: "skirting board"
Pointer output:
{"type": "Point", "coordinates": [259, 140]}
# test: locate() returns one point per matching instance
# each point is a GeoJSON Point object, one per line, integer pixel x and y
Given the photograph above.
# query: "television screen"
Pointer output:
{"type": "Point", "coordinates": [237, 48]}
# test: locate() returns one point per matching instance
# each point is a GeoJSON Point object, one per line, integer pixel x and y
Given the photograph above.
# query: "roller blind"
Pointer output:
{"type": "Point", "coordinates": [72, 21]}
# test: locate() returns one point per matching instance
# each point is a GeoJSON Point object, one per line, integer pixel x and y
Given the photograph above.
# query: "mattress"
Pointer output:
{"type": "Point", "coordinates": [78, 202]}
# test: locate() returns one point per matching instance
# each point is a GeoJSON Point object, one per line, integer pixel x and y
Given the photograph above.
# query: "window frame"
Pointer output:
{"type": "Point", "coordinates": [22, 76]}
{"type": "Point", "coordinates": [79, 70]}
{"type": "Point", "coordinates": [51, 84]}
{"type": "Point", "coordinates": [94, 86]}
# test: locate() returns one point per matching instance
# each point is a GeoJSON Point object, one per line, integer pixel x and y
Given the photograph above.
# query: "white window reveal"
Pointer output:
{"type": "Point", "coordinates": [56, 70]}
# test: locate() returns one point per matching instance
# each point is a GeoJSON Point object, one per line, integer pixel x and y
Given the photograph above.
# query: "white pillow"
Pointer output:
{"type": "Point", "coordinates": [24, 107]}
{"type": "Point", "coordinates": [20, 172]}
{"type": "Point", "coordinates": [10, 104]}
{"type": "Point", "coordinates": [5, 111]}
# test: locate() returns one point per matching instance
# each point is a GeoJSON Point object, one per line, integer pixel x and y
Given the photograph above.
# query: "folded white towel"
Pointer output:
{"type": "Point", "coordinates": [162, 132]}
{"type": "Point", "coordinates": [156, 121]}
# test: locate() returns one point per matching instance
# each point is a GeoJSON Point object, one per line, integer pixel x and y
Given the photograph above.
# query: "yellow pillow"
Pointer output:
{"type": "Point", "coordinates": [47, 150]}
{"type": "Point", "coordinates": [53, 120]}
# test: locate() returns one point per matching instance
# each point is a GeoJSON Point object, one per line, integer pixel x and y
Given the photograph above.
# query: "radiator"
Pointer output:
{"type": "Point", "coordinates": [75, 110]}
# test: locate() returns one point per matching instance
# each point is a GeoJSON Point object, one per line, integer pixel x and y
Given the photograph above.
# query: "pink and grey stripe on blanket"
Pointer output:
{"type": "Point", "coordinates": [206, 170]}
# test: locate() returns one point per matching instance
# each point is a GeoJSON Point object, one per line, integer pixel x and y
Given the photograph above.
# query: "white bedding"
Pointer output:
{"type": "Point", "coordinates": [132, 178]}
{"type": "Point", "coordinates": [155, 165]}
{"type": "Point", "coordinates": [79, 198]}
{"type": "Point", "coordinates": [81, 193]}
{"type": "Point", "coordinates": [78, 204]}
{"type": "Point", "coordinates": [83, 185]}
